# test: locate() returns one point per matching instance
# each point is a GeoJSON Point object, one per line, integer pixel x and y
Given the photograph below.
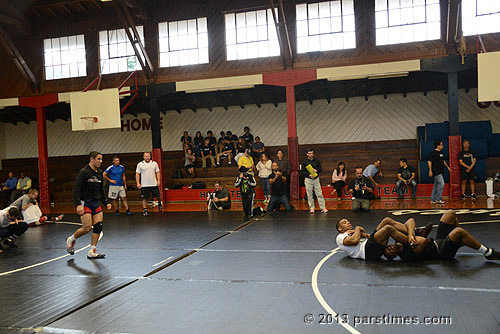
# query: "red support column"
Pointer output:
{"type": "Point", "coordinates": [454, 147]}
{"type": "Point", "coordinates": [158, 157]}
{"type": "Point", "coordinates": [39, 102]}
{"type": "Point", "coordinates": [290, 79]}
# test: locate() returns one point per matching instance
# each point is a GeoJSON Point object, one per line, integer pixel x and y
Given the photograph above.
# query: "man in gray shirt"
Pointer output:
{"type": "Point", "coordinates": [28, 205]}
{"type": "Point", "coordinates": [11, 226]}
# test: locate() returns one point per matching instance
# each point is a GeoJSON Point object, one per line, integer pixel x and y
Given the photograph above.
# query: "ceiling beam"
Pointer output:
{"type": "Point", "coordinates": [18, 59]}
{"type": "Point", "coordinates": [282, 32]}
{"type": "Point", "coordinates": [128, 23]}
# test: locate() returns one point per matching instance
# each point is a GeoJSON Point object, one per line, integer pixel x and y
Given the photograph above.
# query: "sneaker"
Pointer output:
{"type": "Point", "coordinates": [433, 202]}
{"type": "Point", "coordinates": [473, 196]}
{"type": "Point", "coordinates": [129, 213]}
{"type": "Point", "coordinates": [145, 213]}
{"type": "Point", "coordinates": [325, 210]}
{"type": "Point", "coordinates": [424, 231]}
{"type": "Point", "coordinates": [440, 202]}
{"type": "Point", "coordinates": [493, 256]}
{"type": "Point", "coordinates": [463, 197]}
{"type": "Point", "coordinates": [10, 242]}
{"type": "Point", "coordinates": [117, 213]}
{"type": "Point", "coordinates": [311, 211]}
{"type": "Point", "coordinates": [70, 246]}
{"type": "Point", "coordinates": [42, 220]}
{"type": "Point", "coordinates": [58, 218]}
{"type": "Point", "coordinates": [93, 254]}
{"type": "Point", "coordinates": [220, 208]}
{"type": "Point", "coordinates": [229, 163]}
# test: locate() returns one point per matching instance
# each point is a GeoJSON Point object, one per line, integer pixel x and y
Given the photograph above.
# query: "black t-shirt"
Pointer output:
{"type": "Point", "coordinates": [248, 137]}
{"type": "Point", "coordinates": [187, 139]}
{"type": "Point", "coordinates": [228, 146]}
{"type": "Point", "coordinates": [466, 157]}
{"type": "Point", "coordinates": [278, 188]}
{"type": "Point", "coordinates": [198, 141]}
{"type": "Point", "coordinates": [437, 160]}
{"type": "Point", "coordinates": [212, 139]}
{"type": "Point", "coordinates": [207, 150]}
{"type": "Point", "coordinates": [241, 148]}
{"type": "Point", "coordinates": [88, 186]}
{"type": "Point", "coordinates": [406, 172]}
{"type": "Point", "coordinates": [361, 194]}
{"type": "Point", "coordinates": [221, 140]}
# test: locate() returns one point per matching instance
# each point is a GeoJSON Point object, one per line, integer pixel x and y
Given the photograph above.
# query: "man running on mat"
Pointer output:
{"type": "Point", "coordinates": [87, 192]}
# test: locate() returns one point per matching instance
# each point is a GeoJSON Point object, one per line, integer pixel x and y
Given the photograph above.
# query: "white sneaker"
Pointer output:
{"type": "Point", "coordinates": [311, 211]}
{"type": "Point", "coordinates": [325, 210]}
{"type": "Point", "coordinates": [441, 202]}
{"type": "Point", "coordinates": [70, 246]}
{"type": "Point", "coordinates": [93, 254]}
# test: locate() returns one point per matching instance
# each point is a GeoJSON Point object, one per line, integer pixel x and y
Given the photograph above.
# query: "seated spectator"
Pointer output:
{"type": "Point", "coordinates": [264, 169]}
{"type": "Point", "coordinates": [219, 199]}
{"type": "Point", "coordinates": [361, 189]}
{"type": "Point", "coordinates": [211, 137]}
{"type": "Point", "coordinates": [227, 152]}
{"type": "Point", "coordinates": [7, 188]}
{"type": "Point", "coordinates": [247, 161]}
{"type": "Point", "coordinates": [339, 178]}
{"type": "Point", "coordinates": [11, 226]}
{"type": "Point", "coordinates": [240, 148]}
{"type": "Point", "coordinates": [278, 190]}
{"type": "Point", "coordinates": [406, 177]}
{"type": "Point", "coordinates": [207, 152]}
{"type": "Point", "coordinates": [23, 186]}
{"type": "Point", "coordinates": [373, 171]}
{"type": "Point", "coordinates": [285, 167]}
{"type": "Point", "coordinates": [467, 161]}
{"type": "Point", "coordinates": [198, 143]}
{"type": "Point", "coordinates": [247, 136]}
{"type": "Point", "coordinates": [233, 140]}
{"type": "Point", "coordinates": [186, 141]}
{"type": "Point", "coordinates": [220, 143]}
{"type": "Point", "coordinates": [257, 149]}
{"type": "Point", "coordinates": [28, 206]}
{"type": "Point", "coordinates": [189, 162]}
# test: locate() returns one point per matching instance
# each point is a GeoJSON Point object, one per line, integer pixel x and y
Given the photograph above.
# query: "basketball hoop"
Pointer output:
{"type": "Point", "coordinates": [88, 122]}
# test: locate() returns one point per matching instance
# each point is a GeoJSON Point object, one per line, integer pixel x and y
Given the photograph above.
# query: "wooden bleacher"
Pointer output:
{"type": "Point", "coordinates": [64, 169]}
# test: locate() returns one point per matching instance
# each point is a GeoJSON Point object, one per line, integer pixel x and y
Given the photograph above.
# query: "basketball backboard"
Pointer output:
{"type": "Point", "coordinates": [103, 104]}
{"type": "Point", "coordinates": [488, 76]}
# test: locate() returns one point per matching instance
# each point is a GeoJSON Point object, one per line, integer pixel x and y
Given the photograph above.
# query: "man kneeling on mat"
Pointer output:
{"type": "Point", "coordinates": [449, 238]}
{"type": "Point", "coordinates": [11, 226]}
{"type": "Point", "coordinates": [31, 212]}
{"type": "Point", "coordinates": [360, 245]}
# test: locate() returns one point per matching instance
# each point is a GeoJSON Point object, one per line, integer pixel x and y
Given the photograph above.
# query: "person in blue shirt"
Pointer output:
{"type": "Point", "coordinates": [7, 188]}
{"type": "Point", "coordinates": [373, 171]}
{"type": "Point", "coordinates": [115, 174]}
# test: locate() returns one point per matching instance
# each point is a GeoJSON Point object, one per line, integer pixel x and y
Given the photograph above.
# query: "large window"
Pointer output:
{"type": "Point", "coordinates": [64, 57]}
{"type": "Point", "coordinates": [325, 26]}
{"type": "Point", "coordinates": [403, 21]}
{"type": "Point", "coordinates": [480, 16]}
{"type": "Point", "coordinates": [251, 35]}
{"type": "Point", "coordinates": [183, 42]}
{"type": "Point", "coordinates": [116, 54]}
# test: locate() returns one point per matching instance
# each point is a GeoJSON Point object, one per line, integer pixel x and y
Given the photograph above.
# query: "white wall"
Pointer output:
{"type": "Point", "coordinates": [357, 120]}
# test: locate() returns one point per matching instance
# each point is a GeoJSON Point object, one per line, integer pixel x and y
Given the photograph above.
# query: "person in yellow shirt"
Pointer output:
{"type": "Point", "coordinates": [247, 161]}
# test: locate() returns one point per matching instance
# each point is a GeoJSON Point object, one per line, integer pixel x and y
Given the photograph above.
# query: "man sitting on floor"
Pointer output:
{"type": "Point", "coordinates": [11, 226]}
{"type": "Point", "coordinates": [360, 245]}
{"type": "Point", "coordinates": [28, 205]}
{"type": "Point", "coordinates": [449, 238]}
{"type": "Point", "coordinates": [219, 199]}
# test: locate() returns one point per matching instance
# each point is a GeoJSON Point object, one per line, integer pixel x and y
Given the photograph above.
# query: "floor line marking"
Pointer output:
{"type": "Point", "coordinates": [162, 261]}
{"type": "Point", "coordinates": [319, 297]}
{"type": "Point", "coordinates": [45, 262]}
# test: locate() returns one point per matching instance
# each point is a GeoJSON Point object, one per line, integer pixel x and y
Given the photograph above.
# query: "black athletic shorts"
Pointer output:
{"type": "Point", "coordinates": [467, 176]}
{"type": "Point", "coordinates": [147, 192]}
{"type": "Point", "coordinates": [373, 251]}
{"type": "Point", "coordinates": [447, 249]}
{"type": "Point", "coordinates": [443, 230]}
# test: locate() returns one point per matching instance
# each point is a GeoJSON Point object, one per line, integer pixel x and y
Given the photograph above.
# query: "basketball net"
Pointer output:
{"type": "Point", "coordinates": [88, 122]}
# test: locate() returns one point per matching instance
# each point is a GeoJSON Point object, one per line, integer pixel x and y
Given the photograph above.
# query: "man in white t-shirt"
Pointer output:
{"type": "Point", "coordinates": [360, 245]}
{"type": "Point", "coordinates": [147, 176]}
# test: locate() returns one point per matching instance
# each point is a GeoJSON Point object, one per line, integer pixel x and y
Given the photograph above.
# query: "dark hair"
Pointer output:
{"type": "Point", "coordinates": [338, 225]}
{"type": "Point", "coordinates": [437, 142]}
{"type": "Point", "coordinates": [116, 157]}
{"type": "Point", "coordinates": [257, 137]}
{"type": "Point", "coordinates": [279, 150]}
{"type": "Point", "coordinates": [218, 182]}
{"type": "Point", "coordinates": [403, 160]}
{"type": "Point", "coordinates": [229, 133]}
{"type": "Point", "coordinates": [198, 133]}
{"type": "Point", "coordinates": [378, 160]}
{"type": "Point", "coordinates": [209, 132]}
{"type": "Point", "coordinates": [147, 153]}
{"type": "Point", "coordinates": [246, 127]}
{"type": "Point", "coordinates": [185, 132]}
{"type": "Point", "coordinates": [14, 212]}
{"type": "Point", "coordinates": [358, 167]}
{"type": "Point", "coordinates": [222, 133]}
{"type": "Point", "coordinates": [338, 168]}
{"type": "Point", "coordinates": [310, 150]}
{"type": "Point", "coordinates": [466, 140]}
{"type": "Point", "coordinates": [94, 154]}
